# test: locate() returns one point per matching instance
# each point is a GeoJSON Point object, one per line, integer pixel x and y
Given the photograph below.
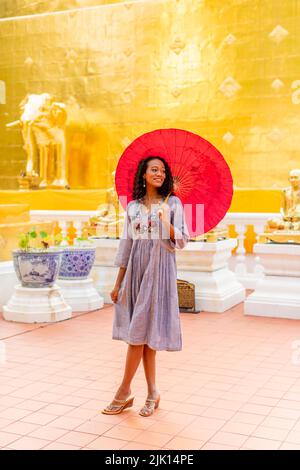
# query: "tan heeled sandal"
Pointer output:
{"type": "Point", "coordinates": [150, 405]}
{"type": "Point", "coordinates": [113, 409]}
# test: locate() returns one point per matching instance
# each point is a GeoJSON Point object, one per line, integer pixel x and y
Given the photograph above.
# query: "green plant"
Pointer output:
{"type": "Point", "coordinates": [78, 241]}
{"type": "Point", "coordinates": [83, 240]}
{"type": "Point", "coordinates": [41, 241]}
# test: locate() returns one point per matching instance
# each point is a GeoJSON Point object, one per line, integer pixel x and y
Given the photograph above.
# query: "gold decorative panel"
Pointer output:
{"type": "Point", "coordinates": [229, 71]}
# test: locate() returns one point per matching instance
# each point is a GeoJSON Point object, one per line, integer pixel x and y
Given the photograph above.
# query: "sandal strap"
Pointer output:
{"type": "Point", "coordinates": [113, 407]}
{"type": "Point", "coordinates": [120, 401]}
{"type": "Point", "coordinates": [149, 406]}
{"type": "Point", "coordinates": [131, 397]}
{"type": "Point", "coordinates": [147, 409]}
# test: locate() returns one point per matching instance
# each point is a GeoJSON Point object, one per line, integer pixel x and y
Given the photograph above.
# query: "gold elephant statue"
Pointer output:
{"type": "Point", "coordinates": [42, 125]}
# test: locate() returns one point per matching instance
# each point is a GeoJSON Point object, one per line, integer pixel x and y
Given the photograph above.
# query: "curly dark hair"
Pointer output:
{"type": "Point", "coordinates": [139, 191]}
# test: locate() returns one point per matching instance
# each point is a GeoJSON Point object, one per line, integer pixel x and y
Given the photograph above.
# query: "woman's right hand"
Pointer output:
{"type": "Point", "coordinates": [114, 294]}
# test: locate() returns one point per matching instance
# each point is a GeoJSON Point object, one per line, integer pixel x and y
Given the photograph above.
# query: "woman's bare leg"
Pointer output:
{"type": "Point", "coordinates": [133, 359]}
{"type": "Point", "coordinates": [150, 371]}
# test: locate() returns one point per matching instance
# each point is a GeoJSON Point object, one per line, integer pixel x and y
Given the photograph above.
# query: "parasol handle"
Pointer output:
{"type": "Point", "coordinates": [166, 200]}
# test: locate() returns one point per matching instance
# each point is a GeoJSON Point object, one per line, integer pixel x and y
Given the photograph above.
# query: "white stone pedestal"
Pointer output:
{"type": "Point", "coordinates": [8, 280]}
{"type": "Point", "coordinates": [37, 305]}
{"type": "Point", "coordinates": [81, 295]}
{"type": "Point", "coordinates": [203, 264]}
{"type": "Point", "coordinates": [206, 265]}
{"type": "Point", "coordinates": [277, 294]}
{"type": "Point", "coordinates": [104, 272]}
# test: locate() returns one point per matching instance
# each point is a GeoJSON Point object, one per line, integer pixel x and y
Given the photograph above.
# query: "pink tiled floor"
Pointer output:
{"type": "Point", "coordinates": [235, 385]}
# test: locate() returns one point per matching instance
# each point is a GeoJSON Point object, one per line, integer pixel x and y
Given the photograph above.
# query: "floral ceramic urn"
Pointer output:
{"type": "Point", "coordinates": [77, 262]}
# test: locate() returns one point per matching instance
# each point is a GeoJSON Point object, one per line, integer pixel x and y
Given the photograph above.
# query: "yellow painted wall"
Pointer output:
{"type": "Point", "coordinates": [226, 70]}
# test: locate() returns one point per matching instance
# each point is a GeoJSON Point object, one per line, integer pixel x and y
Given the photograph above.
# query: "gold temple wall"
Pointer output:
{"type": "Point", "coordinates": [12, 8]}
{"type": "Point", "coordinates": [228, 71]}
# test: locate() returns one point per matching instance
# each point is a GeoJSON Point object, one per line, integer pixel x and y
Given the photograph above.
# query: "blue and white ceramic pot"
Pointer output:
{"type": "Point", "coordinates": [77, 262]}
{"type": "Point", "coordinates": [37, 268]}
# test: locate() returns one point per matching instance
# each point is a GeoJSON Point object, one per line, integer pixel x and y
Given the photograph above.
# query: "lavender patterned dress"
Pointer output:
{"type": "Point", "coordinates": [147, 311]}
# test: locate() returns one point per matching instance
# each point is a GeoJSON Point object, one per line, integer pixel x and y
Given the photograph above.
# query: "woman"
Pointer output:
{"type": "Point", "coordinates": [145, 292]}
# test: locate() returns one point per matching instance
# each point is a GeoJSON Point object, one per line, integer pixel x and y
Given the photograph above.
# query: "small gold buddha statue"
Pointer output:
{"type": "Point", "coordinates": [287, 227]}
{"type": "Point", "coordinates": [214, 235]}
{"type": "Point", "coordinates": [110, 218]}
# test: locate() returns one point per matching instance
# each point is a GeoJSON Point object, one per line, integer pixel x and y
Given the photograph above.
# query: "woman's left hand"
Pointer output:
{"type": "Point", "coordinates": [164, 212]}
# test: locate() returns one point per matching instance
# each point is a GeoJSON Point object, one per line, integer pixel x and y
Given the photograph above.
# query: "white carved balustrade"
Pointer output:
{"type": "Point", "coordinates": [64, 218]}
{"type": "Point", "coordinates": [246, 265]}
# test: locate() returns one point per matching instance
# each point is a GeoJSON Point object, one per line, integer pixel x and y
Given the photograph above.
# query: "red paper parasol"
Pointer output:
{"type": "Point", "coordinates": [202, 178]}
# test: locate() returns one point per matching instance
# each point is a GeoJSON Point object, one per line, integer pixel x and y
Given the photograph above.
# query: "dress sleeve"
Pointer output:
{"type": "Point", "coordinates": [181, 232]}
{"type": "Point", "coordinates": [125, 244]}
